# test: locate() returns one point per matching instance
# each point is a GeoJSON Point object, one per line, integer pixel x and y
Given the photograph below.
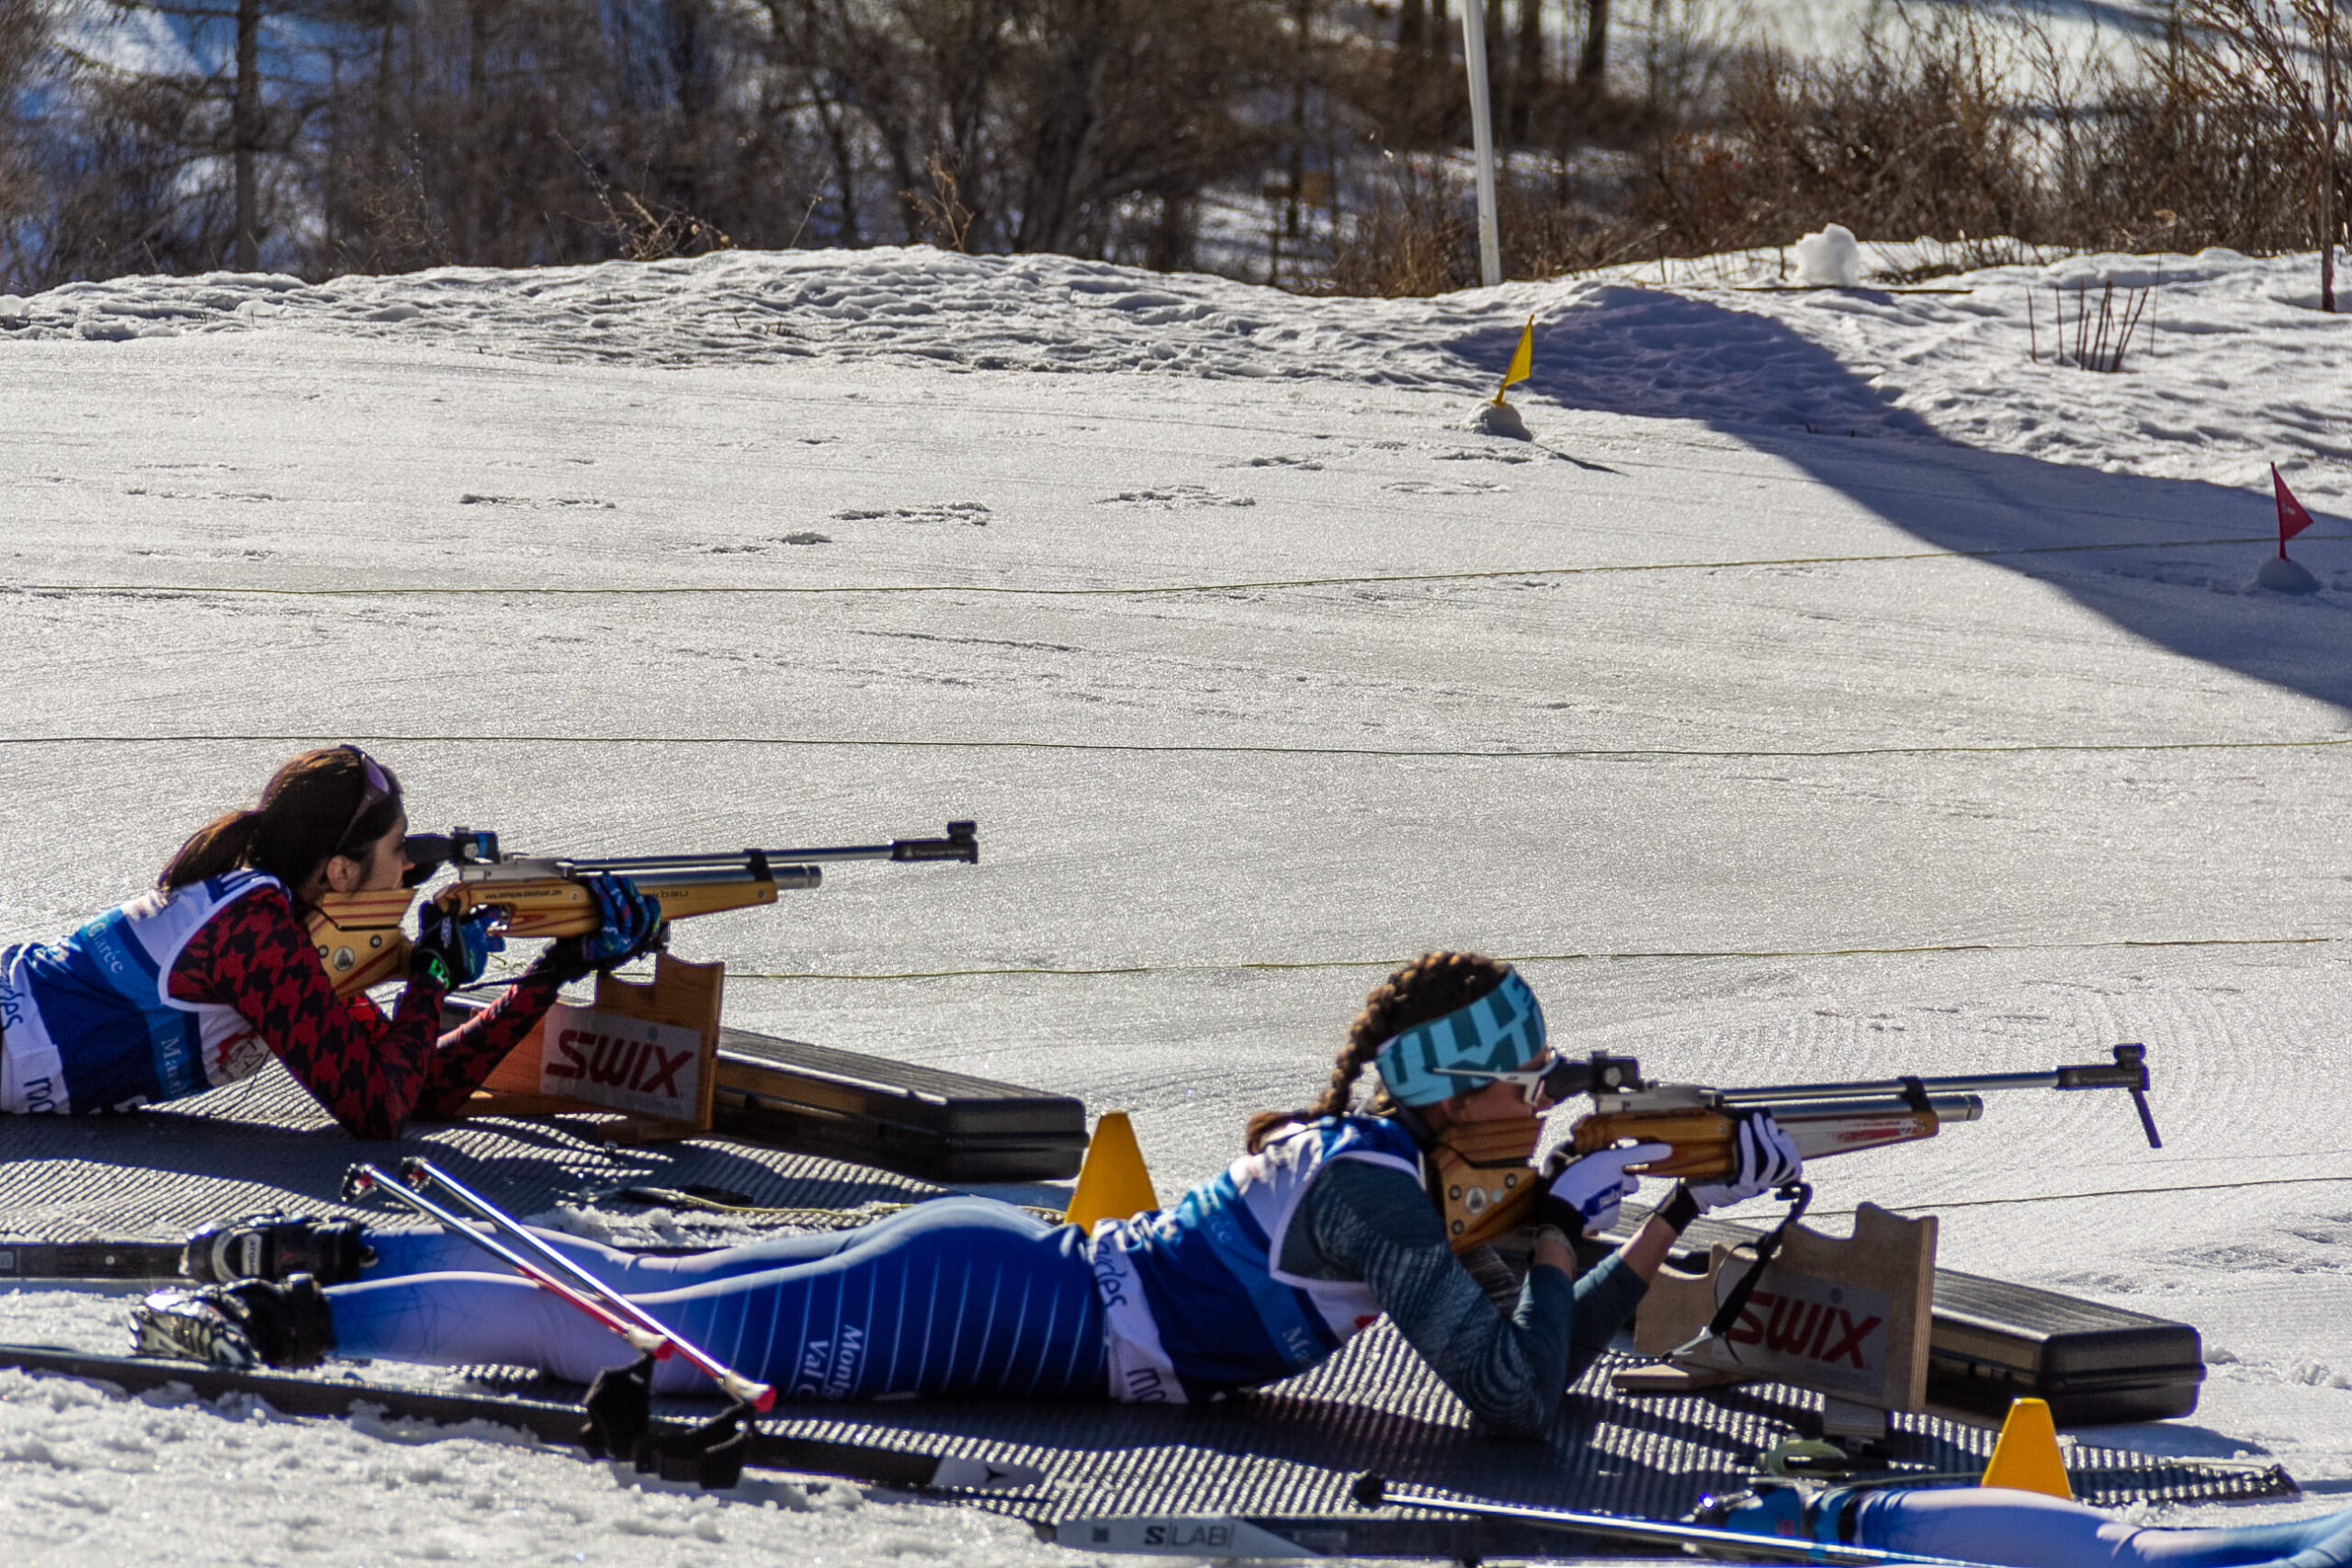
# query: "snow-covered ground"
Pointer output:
{"type": "Point", "coordinates": [1830, 690]}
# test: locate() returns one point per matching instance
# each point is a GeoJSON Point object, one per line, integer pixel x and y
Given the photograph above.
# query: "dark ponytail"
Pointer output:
{"type": "Point", "coordinates": [305, 818]}
{"type": "Point", "coordinates": [1429, 986]}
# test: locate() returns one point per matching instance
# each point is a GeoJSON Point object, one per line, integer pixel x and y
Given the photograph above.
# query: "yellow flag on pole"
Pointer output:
{"type": "Point", "coordinates": [1522, 360]}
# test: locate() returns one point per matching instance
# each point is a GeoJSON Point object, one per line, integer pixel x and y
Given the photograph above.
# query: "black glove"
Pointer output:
{"type": "Point", "coordinates": [452, 950]}
{"type": "Point", "coordinates": [632, 923]}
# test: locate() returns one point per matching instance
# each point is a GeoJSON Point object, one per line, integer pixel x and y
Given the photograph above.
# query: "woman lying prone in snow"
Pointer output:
{"type": "Point", "coordinates": [201, 981]}
{"type": "Point", "coordinates": [1332, 1218]}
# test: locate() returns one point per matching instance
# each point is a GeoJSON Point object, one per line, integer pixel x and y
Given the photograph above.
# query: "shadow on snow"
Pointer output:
{"type": "Point", "coordinates": [1654, 353]}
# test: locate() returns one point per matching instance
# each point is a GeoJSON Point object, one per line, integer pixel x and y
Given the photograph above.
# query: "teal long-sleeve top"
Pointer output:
{"type": "Point", "coordinates": [1366, 1222]}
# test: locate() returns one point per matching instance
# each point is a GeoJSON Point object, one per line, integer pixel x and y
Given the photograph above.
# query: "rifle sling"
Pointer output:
{"type": "Point", "coordinates": [1745, 1286]}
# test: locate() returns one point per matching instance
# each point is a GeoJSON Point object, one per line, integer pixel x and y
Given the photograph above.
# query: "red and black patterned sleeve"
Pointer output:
{"type": "Point", "coordinates": [468, 1052]}
{"type": "Point", "coordinates": [371, 1072]}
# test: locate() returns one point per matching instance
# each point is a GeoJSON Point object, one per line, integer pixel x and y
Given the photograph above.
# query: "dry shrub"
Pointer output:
{"type": "Point", "coordinates": [2224, 134]}
{"type": "Point", "coordinates": [1912, 135]}
{"type": "Point", "coordinates": [1418, 237]}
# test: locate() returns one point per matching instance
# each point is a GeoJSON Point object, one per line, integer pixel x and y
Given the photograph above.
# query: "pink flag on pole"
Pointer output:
{"type": "Point", "coordinates": [2293, 518]}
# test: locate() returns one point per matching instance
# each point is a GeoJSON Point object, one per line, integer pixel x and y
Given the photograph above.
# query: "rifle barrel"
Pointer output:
{"type": "Point", "coordinates": [1973, 1083]}
{"type": "Point", "coordinates": [2100, 1076]}
{"type": "Point", "coordinates": [671, 870]}
{"type": "Point", "coordinates": [733, 871]}
{"type": "Point", "coordinates": [1943, 1107]}
{"type": "Point", "coordinates": [734, 859]}
{"type": "Point", "coordinates": [962, 843]}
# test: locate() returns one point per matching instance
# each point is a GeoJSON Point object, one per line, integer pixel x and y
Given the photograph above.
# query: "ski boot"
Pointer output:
{"type": "Point", "coordinates": [255, 1322]}
{"type": "Point", "coordinates": [273, 1246]}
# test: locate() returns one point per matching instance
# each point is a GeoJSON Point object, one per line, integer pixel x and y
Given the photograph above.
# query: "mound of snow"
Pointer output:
{"type": "Point", "coordinates": [1831, 259]}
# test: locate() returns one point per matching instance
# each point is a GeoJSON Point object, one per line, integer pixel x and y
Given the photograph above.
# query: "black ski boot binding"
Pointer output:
{"type": "Point", "coordinates": [255, 1322]}
{"type": "Point", "coordinates": [274, 1245]}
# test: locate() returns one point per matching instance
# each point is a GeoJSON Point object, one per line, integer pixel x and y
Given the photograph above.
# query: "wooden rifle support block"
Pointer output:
{"type": "Point", "coordinates": [681, 997]}
{"type": "Point", "coordinates": [1848, 1318]}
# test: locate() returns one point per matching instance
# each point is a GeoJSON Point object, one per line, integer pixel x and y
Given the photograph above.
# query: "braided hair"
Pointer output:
{"type": "Point", "coordinates": [1429, 986]}
{"type": "Point", "coordinates": [304, 820]}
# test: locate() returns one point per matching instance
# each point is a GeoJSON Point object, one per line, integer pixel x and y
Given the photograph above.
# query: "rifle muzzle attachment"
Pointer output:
{"type": "Point", "coordinates": [2130, 1073]}
{"type": "Point", "coordinates": [963, 842]}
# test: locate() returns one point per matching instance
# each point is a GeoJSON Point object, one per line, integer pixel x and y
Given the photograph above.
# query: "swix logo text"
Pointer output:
{"type": "Point", "coordinates": [638, 1065]}
{"type": "Point", "coordinates": [1810, 1331]}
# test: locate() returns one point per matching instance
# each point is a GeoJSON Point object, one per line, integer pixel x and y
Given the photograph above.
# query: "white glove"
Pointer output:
{"type": "Point", "coordinates": [1583, 1192]}
{"type": "Point", "coordinates": [1763, 1156]}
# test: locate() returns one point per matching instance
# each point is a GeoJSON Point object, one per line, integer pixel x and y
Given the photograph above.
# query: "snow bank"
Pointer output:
{"type": "Point", "coordinates": [2232, 369]}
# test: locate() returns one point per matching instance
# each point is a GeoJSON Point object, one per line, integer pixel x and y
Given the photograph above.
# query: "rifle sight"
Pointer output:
{"type": "Point", "coordinates": [428, 853]}
{"type": "Point", "coordinates": [1599, 1072]}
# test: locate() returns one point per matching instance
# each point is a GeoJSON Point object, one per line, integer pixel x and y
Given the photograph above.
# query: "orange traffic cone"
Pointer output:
{"type": "Point", "coordinates": [1113, 1184]}
{"type": "Point", "coordinates": [2025, 1457]}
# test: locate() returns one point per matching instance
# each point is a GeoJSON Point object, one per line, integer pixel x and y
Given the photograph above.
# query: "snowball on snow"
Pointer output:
{"type": "Point", "coordinates": [1830, 259]}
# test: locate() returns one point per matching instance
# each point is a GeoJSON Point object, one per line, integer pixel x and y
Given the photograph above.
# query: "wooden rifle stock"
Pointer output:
{"type": "Point", "coordinates": [359, 938]}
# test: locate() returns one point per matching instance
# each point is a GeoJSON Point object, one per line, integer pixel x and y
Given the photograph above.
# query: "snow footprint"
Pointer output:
{"type": "Point", "coordinates": [970, 511]}
{"type": "Point", "coordinates": [1484, 455]}
{"type": "Point", "coordinates": [1177, 498]}
{"type": "Point", "coordinates": [1433, 487]}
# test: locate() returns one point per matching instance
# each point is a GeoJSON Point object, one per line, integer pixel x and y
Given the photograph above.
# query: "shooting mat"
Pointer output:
{"type": "Point", "coordinates": [1289, 1451]}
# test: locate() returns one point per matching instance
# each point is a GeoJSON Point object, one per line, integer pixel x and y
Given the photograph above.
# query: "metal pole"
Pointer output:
{"type": "Point", "coordinates": [656, 1341]}
{"type": "Point", "coordinates": [1482, 140]}
{"type": "Point", "coordinates": [607, 1300]}
{"type": "Point", "coordinates": [2328, 166]}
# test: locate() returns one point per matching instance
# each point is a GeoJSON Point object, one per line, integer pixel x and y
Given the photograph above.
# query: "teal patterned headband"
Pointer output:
{"type": "Point", "coordinates": [1496, 1033]}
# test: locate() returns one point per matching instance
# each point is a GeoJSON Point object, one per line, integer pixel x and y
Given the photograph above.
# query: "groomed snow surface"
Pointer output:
{"type": "Point", "coordinates": [1830, 690]}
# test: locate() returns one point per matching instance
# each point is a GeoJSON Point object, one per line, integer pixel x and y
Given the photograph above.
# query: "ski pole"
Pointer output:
{"type": "Point", "coordinates": [758, 1395]}
{"type": "Point", "coordinates": [361, 1179]}
{"type": "Point", "coordinates": [1372, 1491]}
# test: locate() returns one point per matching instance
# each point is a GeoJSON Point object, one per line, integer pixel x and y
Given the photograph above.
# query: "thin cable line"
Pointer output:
{"type": "Point", "coordinates": [1561, 754]}
{"type": "Point", "coordinates": [2109, 1192]}
{"type": "Point", "coordinates": [1284, 965]}
{"type": "Point", "coordinates": [1112, 590]}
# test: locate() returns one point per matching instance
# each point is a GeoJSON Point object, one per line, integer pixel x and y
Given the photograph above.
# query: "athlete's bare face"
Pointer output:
{"type": "Point", "coordinates": [380, 867]}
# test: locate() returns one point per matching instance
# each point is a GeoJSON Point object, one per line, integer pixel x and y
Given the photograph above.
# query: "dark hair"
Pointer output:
{"type": "Point", "coordinates": [305, 819]}
{"type": "Point", "coordinates": [1429, 986]}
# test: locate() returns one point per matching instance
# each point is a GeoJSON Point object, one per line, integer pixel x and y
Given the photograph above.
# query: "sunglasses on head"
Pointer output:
{"type": "Point", "coordinates": [378, 791]}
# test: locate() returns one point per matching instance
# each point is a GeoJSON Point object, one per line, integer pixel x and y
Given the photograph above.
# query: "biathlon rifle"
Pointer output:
{"type": "Point", "coordinates": [1823, 1117]}
{"type": "Point", "coordinates": [358, 934]}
